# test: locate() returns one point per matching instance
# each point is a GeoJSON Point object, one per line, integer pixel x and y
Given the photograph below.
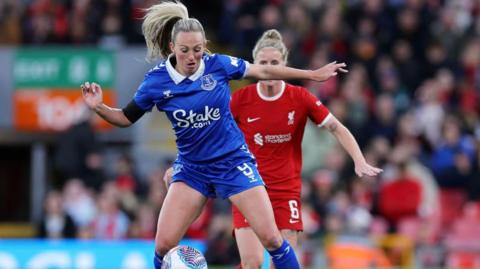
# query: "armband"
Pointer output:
{"type": "Point", "coordinates": [133, 112]}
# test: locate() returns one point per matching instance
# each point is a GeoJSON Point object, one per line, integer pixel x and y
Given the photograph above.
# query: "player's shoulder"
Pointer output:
{"type": "Point", "coordinates": [158, 68]}
{"type": "Point", "coordinates": [217, 58]}
{"type": "Point", "coordinates": [296, 89]}
{"type": "Point", "coordinates": [158, 72]}
{"type": "Point", "coordinates": [246, 92]}
{"type": "Point", "coordinates": [246, 89]}
{"type": "Point", "coordinates": [209, 57]}
{"type": "Point", "coordinates": [212, 58]}
{"type": "Point", "coordinates": [157, 75]}
{"type": "Point", "coordinates": [212, 61]}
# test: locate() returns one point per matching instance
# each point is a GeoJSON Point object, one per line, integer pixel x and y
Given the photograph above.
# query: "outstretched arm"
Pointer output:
{"type": "Point", "coordinates": [93, 97]}
{"type": "Point", "coordinates": [346, 139]}
{"type": "Point", "coordinates": [266, 72]}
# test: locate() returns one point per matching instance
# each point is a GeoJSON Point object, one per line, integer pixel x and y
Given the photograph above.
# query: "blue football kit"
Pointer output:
{"type": "Point", "coordinates": [212, 154]}
{"type": "Point", "coordinates": [213, 157]}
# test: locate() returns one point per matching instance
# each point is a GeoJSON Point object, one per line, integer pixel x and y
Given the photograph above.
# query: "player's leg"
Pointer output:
{"type": "Point", "coordinates": [249, 247]}
{"type": "Point", "coordinates": [255, 205]}
{"type": "Point", "coordinates": [181, 207]}
{"type": "Point", "coordinates": [292, 237]}
{"type": "Point", "coordinates": [287, 212]}
{"type": "Point", "coordinates": [289, 219]}
{"type": "Point", "coordinates": [287, 216]}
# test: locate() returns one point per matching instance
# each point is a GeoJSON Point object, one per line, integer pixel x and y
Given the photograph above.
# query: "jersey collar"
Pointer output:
{"type": "Point", "coordinates": [177, 77]}
{"type": "Point", "coordinates": [271, 98]}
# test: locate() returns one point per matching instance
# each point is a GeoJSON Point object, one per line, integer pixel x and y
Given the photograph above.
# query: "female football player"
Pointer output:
{"type": "Point", "coordinates": [272, 115]}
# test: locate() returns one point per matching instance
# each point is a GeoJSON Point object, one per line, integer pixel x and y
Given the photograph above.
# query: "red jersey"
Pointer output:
{"type": "Point", "coordinates": [273, 128]}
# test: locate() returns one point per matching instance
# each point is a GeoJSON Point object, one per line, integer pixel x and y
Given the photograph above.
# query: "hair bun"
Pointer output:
{"type": "Point", "coordinates": [272, 39]}
{"type": "Point", "coordinates": [272, 34]}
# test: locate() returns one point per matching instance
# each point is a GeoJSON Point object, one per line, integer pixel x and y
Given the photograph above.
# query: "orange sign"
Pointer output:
{"type": "Point", "coordinates": [53, 110]}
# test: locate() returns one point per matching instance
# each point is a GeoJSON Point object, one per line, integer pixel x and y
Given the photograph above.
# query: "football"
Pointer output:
{"type": "Point", "coordinates": [184, 257]}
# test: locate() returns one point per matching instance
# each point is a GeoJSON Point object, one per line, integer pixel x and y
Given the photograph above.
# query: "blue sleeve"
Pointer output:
{"type": "Point", "coordinates": [235, 68]}
{"type": "Point", "coordinates": [143, 97]}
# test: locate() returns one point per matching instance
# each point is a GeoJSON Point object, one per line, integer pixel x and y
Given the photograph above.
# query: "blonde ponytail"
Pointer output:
{"type": "Point", "coordinates": [162, 23]}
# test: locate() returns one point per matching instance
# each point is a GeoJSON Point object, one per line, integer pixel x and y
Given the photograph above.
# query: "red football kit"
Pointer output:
{"type": "Point", "coordinates": [273, 128]}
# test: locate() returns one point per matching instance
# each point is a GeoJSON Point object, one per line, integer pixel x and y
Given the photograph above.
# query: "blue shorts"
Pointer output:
{"type": "Point", "coordinates": [225, 177]}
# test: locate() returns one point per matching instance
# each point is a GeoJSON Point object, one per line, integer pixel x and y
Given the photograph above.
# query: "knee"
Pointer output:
{"type": "Point", "coordinates": [271, 240]}
{"type": "Point", "coordinates": [163, 245]}
{"type": "Point", "coordinates": [253, 261]}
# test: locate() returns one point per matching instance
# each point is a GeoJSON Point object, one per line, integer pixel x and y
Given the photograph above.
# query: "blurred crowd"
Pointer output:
{"type": "Point", "coordinates": [411, 99]}
{"type": "Point", "coordinates": [107, 23]}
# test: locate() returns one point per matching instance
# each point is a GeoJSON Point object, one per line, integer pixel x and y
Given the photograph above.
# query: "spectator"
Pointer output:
{"type": "Point", "coordinates": [76, 154]}
{"type": "Point", "coordinates": [111, 222]}
{"type": "Point", "coordinates": [56, 223]}
{"type": "Point", "coordinates": [143, 226]}
{"type": "Point", "coordinates": [79, 203]}
{"type": "Point", "coordinates": [400, 198]}
{"type": "Point", "coordinates": [453, 159]}
{"type": "Point", "coordinates": [353, 249]}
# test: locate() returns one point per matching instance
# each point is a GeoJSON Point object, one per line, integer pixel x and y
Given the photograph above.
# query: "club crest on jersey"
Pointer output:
{"type": "Point", "coordinates": [291, 116]}
{"type": "Point", "coordinates": [208, 83]}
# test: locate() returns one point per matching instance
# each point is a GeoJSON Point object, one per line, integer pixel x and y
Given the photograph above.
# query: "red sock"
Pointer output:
{"type": "Point", "coordinates": [239, 267]}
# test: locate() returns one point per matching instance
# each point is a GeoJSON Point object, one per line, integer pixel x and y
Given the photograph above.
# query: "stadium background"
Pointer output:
{"type": "Point", "coordinates": [411, 99]}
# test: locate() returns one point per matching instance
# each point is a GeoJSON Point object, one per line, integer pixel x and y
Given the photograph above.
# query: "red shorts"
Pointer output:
{"type": "Point", "coordinates": [287, 214]}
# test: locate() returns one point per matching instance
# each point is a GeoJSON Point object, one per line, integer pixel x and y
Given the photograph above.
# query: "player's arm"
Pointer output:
{"type": "Point", "coordinates": [346, 139]}
{"type": "Point", "coordinates": [93, 96]}
{"type": "Point", "coordinates": [266, 72]}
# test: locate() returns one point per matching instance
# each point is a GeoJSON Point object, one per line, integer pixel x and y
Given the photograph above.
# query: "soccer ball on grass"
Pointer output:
{"type": "Point", "coordinates": [184, 257]}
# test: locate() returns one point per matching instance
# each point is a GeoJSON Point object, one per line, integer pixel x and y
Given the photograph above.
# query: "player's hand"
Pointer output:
{"type": "Point", "coordinates": [328, 71]}
{"type": "Point", "coordinates": [92, 94]}
{"type": "Point", "coordinates": [364, 169]}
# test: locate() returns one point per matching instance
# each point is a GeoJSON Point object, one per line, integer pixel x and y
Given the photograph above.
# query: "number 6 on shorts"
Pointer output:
{"type": "Point", "coordinates": [295, 213]}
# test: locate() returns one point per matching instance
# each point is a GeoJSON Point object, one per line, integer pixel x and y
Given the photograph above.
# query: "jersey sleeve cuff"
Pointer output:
{"type": "Point", "coordinates": [327, 118]}
{"type": "Point", "coordinates": [247, 66]}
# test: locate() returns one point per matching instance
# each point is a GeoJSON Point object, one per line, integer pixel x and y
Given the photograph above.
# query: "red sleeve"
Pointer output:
{"type": "Point", "coordinates": [316, 111]}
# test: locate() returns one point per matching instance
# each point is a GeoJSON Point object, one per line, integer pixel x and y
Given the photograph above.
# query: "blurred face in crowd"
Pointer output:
{"type": "Point", "coordinates": [269, 56]}
{"type": "Point", "coordinates": [188, 48]}
{"type": "Point", "coordinates": [451, 131]}
{"type": "Point", "coordinates": [53, 203]}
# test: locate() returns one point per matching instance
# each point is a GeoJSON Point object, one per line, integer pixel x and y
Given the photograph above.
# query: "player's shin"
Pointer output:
{"type": "Point", "coordinates": [284, 257]}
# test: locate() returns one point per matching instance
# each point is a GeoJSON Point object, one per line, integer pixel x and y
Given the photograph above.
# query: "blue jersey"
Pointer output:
{"type": "Point", "coordinates": [198, 106]}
